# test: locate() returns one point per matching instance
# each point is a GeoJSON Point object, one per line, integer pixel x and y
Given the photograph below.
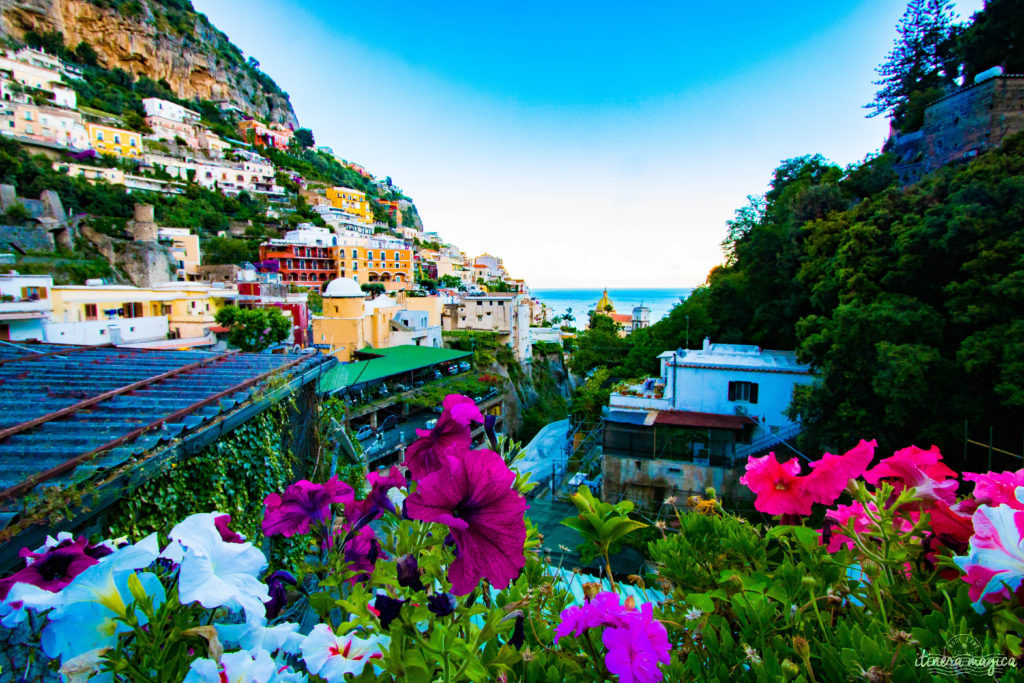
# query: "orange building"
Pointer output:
{"type": "Point", "coordinates": [383, 261]}
{"type": "Point", "coordinates": [274, 135]}
{"type": "Point", "coordinates": [391, 206]}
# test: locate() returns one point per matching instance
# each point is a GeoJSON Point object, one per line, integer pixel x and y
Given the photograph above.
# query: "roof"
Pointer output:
{"type": "Point", "coordinates": [392, 361]}
{"type": "Point", "coordinates": [344, 287]}
{"type": "Point", "coordinates": [620, 317]}
{"type": "Point", "coordinates": [683, 418]}
{"type": "Point", "coordinates": [627, 417]}
{"type": "Point", "coordinates": [66, 411]}
{"type": "Point", "coordinates": [740, 357]}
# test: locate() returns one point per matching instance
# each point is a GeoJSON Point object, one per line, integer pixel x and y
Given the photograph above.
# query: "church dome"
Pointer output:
{"type": "Point", "coordinates": [344, 288]}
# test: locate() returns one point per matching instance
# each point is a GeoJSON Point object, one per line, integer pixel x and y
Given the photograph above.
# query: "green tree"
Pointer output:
{"type": "Point", "coordinates": [451, 282]}
{"type": "Point", "coordinates": [303, 137]}
{"type": "Point", "coordinates": [86, 54]}
{"type": "Point", "coordinates": [920, 63]}
{"type": "Point", "coordinates": [254, 329]}
{"type": "Point", "coordinates": [598, 345]}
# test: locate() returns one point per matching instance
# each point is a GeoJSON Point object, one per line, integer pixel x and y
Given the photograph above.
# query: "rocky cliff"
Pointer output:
{"type": "Point", "coordinates": [163, 39]}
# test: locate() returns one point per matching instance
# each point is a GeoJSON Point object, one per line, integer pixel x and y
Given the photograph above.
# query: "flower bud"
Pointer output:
{"type": "Point", "coordinates": [803, 650]}
{"type": "Point", "coordinates": [590, 589]}
{"type": "Point", "coordinates": [809, 581]}
{"type": "Point", "coordinates": [789, 669]}
{"type": "Point", "coordinates": [409, 573]}
{"type": "Point", "coordinates": [442, 604]}
{"type": "Point", "coordinates": [135, 588]}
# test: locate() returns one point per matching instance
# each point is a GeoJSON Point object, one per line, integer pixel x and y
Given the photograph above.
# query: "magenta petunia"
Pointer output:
{"type": "Point", "coordinates": [452, 432]}
{"type": "Point", "coordinates": [361, 552]}
{"type": "Point", "coordinates": [52, 569]}
{"type": "Point", "coordinates": [603, 609]}
{"type": "Point", "coordinates": [830, 475]}
{"type": "Point", "coordinates": [226, 534]}
{"type": "Point", "coordinates": [471, 492]}
{"type": "Point", "coordinates": [994, 563]}
{"type": "Point", "coordinates": [302, 505]}
{"type": "Point", "coordinates": [920, 469]}
{"type": "Point", "coordinates": [636, 646]}
{"type": "Point", "coordinates": [997, 488]}
{"type": "Point", "coordinates": [778, 487]}
{"type": "Point", "coordinates": [377, 500]}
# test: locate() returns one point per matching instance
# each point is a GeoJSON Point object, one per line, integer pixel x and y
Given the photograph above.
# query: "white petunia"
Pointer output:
{"type": "Point", "coordinates": [331, 656]}
{"type": "Point", "coordinates": [248, 636]}
{"type": "Point", "coordinates": [216, 573]}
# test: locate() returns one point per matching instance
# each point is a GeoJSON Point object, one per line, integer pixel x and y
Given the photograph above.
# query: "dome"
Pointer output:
{"type": "Point", "coordinates": [344, 287]}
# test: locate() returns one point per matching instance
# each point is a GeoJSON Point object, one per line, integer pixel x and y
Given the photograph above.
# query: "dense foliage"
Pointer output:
{"type": "Point", "coordinates": [254, 329]}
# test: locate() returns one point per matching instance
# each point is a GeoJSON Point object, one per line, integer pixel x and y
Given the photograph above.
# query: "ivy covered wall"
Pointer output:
{"type": "Point", "coordinates": [232, 475]}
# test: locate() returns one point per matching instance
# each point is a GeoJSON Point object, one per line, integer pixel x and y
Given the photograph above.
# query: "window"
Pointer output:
{"type": "Point", "coordinates": [133, 142]}
{"type": "Point", "coordinates": [90, 311]}
{"type": "Point", "coordinates": [99, 135]}
{"type": "Point", "coordinates": [28, 128]}
{"type": "Point", "coordinates": [743, 391]}
{"type": "Point", "coordinates": [117, 139]}
{"type": "Point", "coordinates": [132, 309]}
{"type": "Point", "coordinates": [355, 254]}
{"type": "Point", "coordinates": [28, 115]}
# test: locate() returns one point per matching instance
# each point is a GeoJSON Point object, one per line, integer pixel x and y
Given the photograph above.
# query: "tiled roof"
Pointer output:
{"type": "Point", "coordinates": [67, 411]}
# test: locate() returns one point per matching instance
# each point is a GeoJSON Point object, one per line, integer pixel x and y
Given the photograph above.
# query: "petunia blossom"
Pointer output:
{"type": "Point", "coordinates": [778, 487]}
{"type": "Point", "coordinates": [452, 432]}
{"type": "Point", "coordinates": [996, 488]}
{"type": "Point", "coordinates": [302, 505]}
{"type": "Point", "coordinates": [379, 499]}
{"type": "Point", "coordinates": [216, 573]}
{"type": "Point", "coordinates": [636, 646]}
{"type": "Point", "coordinates": [472, 494]}
{"type": "Point", "coordinates": [249, 636]}
{"type": "Point", "coordinates": [234, 667]}
{"type": "Point", "coordinates": [331, 656]}
{"type": "Point", "coordinates": [602, 609]}
{"type": "Point", "coordinates": [52, 569]}
{"type": "Point", "coordinates": [226, 533]}
{"type": "Point", "coordinates": [994, 563]}
{"type": "Point", "coordinates": [919, 469]}
{"type": "Point", "coordinates": [831, 474]}
{"type": "Point", "coordinates": [361, 552]}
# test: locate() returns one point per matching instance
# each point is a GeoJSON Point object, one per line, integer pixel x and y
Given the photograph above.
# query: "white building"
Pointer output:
{"type": "Point", "coordinates": [508, 315]}
{"type": "Point", "coordinates": [24, 306]}
{"type": "Point", "coordinates": [154, 106]}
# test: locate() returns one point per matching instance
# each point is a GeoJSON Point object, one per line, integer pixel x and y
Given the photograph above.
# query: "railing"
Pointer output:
{"type": "Point", "coordinates": [767, 441]}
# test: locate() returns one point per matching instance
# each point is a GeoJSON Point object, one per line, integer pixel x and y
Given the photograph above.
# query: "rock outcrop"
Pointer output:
{"type": "Point", "coordinates": [158, 39]}
{"type": "Point", "coordinates": [144, 264]}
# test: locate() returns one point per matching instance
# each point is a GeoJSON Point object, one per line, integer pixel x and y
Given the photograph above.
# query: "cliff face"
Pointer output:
{"type": "Point", "coordinates": [162, 39]}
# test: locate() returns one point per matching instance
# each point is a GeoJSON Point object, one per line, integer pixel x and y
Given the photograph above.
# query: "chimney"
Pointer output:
{"type": "Point", "coordinates": [707, 344]}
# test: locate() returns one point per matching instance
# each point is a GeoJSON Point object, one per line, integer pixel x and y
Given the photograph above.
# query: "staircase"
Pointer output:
{"type": "Point", "coordinates": [767, 443]}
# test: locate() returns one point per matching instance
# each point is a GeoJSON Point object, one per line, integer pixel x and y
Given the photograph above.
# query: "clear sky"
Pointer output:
{"type": "Point", "coordinates": [588, 144]}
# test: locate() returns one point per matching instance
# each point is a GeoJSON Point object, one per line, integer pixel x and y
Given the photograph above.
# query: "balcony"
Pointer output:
{"type": "Point", "coordinates": [648, 394]}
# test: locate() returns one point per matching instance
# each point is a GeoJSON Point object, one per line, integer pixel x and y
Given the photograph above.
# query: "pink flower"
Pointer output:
{"type": "Point", "coordinates": [997, 488]}
{"type": "Point", "coordinates": [778, 487]}
{"type": "Point", "coordinates": [603, 609]}
{"type": "Point", "coordinates": [471, 492]}
{"type": "Point", "coordinates": [361, 553]}
{"type": "Point", "coordinates": [636, 646]}
{"type": "Point", "coordinates": [635, 641]}
{"type": "Point", "coordinates": [302, 505]}
{"type": "Point", "coordinates": [862, 523]}
{"type": "Point", "coordinates": [952, 526]}
{"type": "Point", "coordinates": [832, 473]}
{"type": "Point", "coordinates": [452, 431]}
{"type": "Point", "coordinates": [919, 469]}
{"type": "Point", "coordinates": [226, 534]}
{"type": "Point", "coordinates": [994, 563]}
{"type": "Point", "coordinates": [52, 569]}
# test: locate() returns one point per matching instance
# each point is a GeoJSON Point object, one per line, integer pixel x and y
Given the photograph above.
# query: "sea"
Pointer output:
{"type": "Point", "coordinates": [582, 301]}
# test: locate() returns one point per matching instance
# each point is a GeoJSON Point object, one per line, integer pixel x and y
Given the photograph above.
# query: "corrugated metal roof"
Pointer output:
{"type": "Point", "coordinates": [33, 387]}
{"type": "Point", "coordinates": [627, 417]}
{"type": "Point", "coordinates": [396, 360]}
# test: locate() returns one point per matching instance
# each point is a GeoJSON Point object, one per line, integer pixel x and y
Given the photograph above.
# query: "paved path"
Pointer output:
{"type": "Point", "coordinates": [546, 448]}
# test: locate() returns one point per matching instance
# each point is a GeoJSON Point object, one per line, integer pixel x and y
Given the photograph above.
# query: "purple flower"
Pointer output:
{"type": "Point", "coordinates": [226, 534]}
{"type": "Point", "coordinates": [361, 552]}
{"type": "Point", "coordinates": [452, 432]}
{"type": "Point", "coordinates": [302, 505]}
{"type": "Point", "coordinates": [441, 604]}
{"type": "Point", "coordinates": [409, 573]}
{"type": "Point", "coordinates": [471, 492]}
{"type": "Point", "coordinates": [377, 500]}
{"type": "Point", "coordinates": [518, 633]}
{"type": "Point", "coordinates": [387, 609]}
{"type": "Point", "coordinates": [52, 569]}
{"type": "Point", "coordinates": [278, 593]}
{"type": "Point", "coordinates": [636, 646]}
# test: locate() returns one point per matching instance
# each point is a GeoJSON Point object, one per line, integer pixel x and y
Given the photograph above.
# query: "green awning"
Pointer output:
{"type": "Point", "coordinates": [396, 360]}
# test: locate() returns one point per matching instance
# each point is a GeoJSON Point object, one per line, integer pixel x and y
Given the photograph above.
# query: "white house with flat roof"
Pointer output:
{"type": "Point", "coordinates": [708, 411]}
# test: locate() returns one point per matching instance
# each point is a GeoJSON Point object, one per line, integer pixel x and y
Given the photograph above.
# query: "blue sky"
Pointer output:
{"type": "Point", "coordinates": [597, 144]}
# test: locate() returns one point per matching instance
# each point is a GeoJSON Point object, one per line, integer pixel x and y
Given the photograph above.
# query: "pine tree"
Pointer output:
{"type": "Point", "coordinates": [919, 63]}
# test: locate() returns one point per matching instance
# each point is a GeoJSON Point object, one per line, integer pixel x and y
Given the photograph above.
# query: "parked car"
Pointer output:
{"type": "Point", "coordinates": [464, 366]}
{"type": "Point", "coordinates": [390, 422]}
{"type": "Point", "coordinates": [431, 423]}
{"type": "Point", "coordinates": [365, 432]}
{"type": "Point", "coordinates": [453, 370]}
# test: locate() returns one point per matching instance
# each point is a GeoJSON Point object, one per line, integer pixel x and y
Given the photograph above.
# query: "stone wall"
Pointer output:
{"type": "Point", "coordinates": [22, 238]}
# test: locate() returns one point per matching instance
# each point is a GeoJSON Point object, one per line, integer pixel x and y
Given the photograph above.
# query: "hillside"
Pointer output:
{"type": "Point", "coordinates": [163, 39]}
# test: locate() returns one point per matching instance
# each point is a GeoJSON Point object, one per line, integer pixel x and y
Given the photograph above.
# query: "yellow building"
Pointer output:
{"type": "Point", "coordinates": [185, 250]}
{"type": "Point", "coordinates": [350, 322]}
{"type": "Point", "coordinates": [350, 201]}
{"type": "Point", "coordinates": [116, 141]}
{"type": "Point", "coordinates": [386, 262]}
{"type": "Point", "coordinates": [190, 308]}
